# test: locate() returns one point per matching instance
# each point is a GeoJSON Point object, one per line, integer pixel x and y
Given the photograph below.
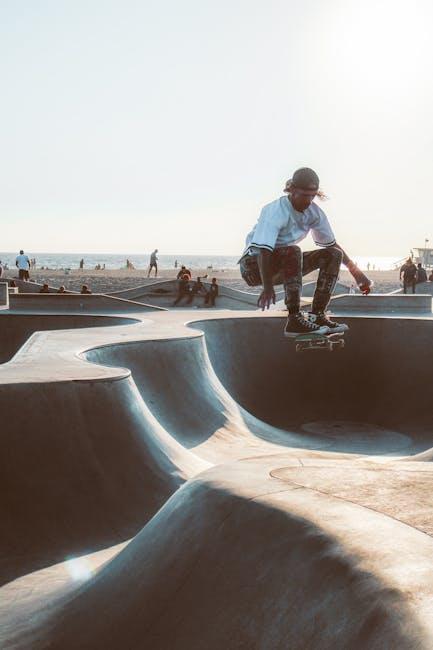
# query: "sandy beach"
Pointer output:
{"type": "Point", "coordinates": [109, 281]}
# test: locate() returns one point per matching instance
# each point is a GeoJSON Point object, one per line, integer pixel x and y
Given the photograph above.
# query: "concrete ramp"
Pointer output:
{"type": "Point", "coordinates": [163, 293]}
{"type": "Point", "coordinates": [243, 558]}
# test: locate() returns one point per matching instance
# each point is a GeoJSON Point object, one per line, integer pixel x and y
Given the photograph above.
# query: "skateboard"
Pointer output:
{"type": "Point", "coordinates": [319, 342]}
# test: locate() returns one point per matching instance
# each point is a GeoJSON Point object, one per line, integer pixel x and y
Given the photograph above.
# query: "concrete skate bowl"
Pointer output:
{"type": "Point", "coordinates": [371, 397]}
{"type": "Point", "coordinates": [260, 553]}
{"type": "Point", "coordinates": [15, 329]}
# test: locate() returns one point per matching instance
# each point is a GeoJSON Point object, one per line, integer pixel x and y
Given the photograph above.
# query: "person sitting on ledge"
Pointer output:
{"type": "Point", "coordinates": [183, 289]}
{"type": "Point", "coordinates": [45, 288]}
{"type": "Point", "coordinates": [183, 271]}
{"type": "Point", "coordinates": [197, 289]}
{"type": "Point", "coordinates": [212, 293]}
{"type": "Point", "coordinates": [85, 289]}
{"type": "Point", "coordinates": [61, 289]}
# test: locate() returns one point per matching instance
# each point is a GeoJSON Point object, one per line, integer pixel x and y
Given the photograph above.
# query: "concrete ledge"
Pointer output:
{"type": "Point", "coordinates": [95, 302]}
{"type": "Point", "coordinates": [389, 303]}
{"type": "Point", "coordinates": [4, 295]}
{"type": "Point", "coordinates": [31, 286]}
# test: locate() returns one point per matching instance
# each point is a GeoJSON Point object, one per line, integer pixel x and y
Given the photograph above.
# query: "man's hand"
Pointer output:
{"type": "Point", "coordinates": [365, 288]}
{"type": "Point", "coordinates": [266, 298]}
{"type": "Point", "coordinates": [361, 280]}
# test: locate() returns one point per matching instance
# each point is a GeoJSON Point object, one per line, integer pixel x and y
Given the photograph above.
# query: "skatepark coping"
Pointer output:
{"type": "Point", "coordinates": [387, 303]}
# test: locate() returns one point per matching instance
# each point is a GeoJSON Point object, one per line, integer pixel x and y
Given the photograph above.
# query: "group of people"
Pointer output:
{"type": "Point", "coordinates": [189, 289]}
{"type": "Point", "coordinates": [413, 274]}
{"type": "Point", "coordinates": [46, 289]}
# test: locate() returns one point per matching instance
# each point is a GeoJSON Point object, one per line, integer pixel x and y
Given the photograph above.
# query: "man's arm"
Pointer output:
{"type": "Point", "coordinates": [361, 279]}
{"type": "Point", "coordinates": [267, 295]}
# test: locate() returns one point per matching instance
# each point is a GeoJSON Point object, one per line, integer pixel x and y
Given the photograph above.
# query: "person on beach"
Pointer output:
{"type": "Point", "coordinates": [421, 274]}
{"type": "Point", "coordinates": [85, 289]}
{"type": "Point", "coordinates": [81, 264]}
{"type": "Point", "coordinates": [153, 263]}
{"type": "Point", "coordinates": [22, 263]}
{"type": "Point", "coordinates": [408, 271]}
{"type": "Point", "coordinates": [272, 257]}
{"type": "Point", "coordinates": [45, 288]}
{"type": "Point", "coordinates": [183, 290]}
{"type": "Point", "coordinates": [212, 293]}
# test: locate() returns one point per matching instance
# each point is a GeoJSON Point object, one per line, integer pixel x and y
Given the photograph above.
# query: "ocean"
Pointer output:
{"type": "Point", "coordinates": [118, 261]}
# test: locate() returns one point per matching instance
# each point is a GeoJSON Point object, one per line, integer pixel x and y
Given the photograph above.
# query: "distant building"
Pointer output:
{"type": "Point", "coordinates": [423, 256]}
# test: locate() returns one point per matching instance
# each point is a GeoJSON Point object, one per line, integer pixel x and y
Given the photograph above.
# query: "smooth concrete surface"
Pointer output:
{"type": "Point", "coordinates": [16, 328]}
{"type": "Point", "coordinates": [4, 295]}
{"type": "Point", "coordinates": [382, 302]}
{"type": "Point", "coordinates": [274, 499]}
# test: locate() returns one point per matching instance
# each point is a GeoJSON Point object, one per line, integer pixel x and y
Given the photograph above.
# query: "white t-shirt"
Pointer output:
{"type": "Point", "coordinates": [280, 225]}
{"type": "Point", "coordinates": [23, 262]}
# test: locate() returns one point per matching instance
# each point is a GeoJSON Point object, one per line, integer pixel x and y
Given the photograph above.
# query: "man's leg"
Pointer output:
{"type": "Point", "coordinates": [404, 286]}
{"type": "Point", "coordinates": [328, 261]}
{"type": "Point", "coordinates": [287, 270]}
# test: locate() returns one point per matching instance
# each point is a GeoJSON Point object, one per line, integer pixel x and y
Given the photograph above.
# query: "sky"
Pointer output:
{"type": "Point", "coordinates": [138, 124]}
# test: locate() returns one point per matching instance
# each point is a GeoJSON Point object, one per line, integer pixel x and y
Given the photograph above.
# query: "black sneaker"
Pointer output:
{"type": "Point", "coordinates": [321, 319]}
{"type": "Point", "coordinates": [297, 324]}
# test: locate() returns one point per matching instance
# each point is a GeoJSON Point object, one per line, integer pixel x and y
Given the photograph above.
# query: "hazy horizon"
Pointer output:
{"type": "Point", "coordinates": [159, 125]}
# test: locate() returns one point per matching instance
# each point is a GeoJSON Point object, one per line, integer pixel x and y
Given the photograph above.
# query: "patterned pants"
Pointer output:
{"type": "Point", "coordinates": [289, 264]}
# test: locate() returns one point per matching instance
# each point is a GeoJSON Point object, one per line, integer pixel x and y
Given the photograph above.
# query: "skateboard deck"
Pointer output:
{"type": "Point", "coordinates": [327, 342]}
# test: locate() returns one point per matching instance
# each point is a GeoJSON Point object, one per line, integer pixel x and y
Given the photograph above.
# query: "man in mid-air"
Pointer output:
{"type": "Point", "coordinates": [272, 256]}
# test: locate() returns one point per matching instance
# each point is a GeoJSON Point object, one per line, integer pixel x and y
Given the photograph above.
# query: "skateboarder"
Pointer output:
{"type": "Point", "coordinates": [272, 256]}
